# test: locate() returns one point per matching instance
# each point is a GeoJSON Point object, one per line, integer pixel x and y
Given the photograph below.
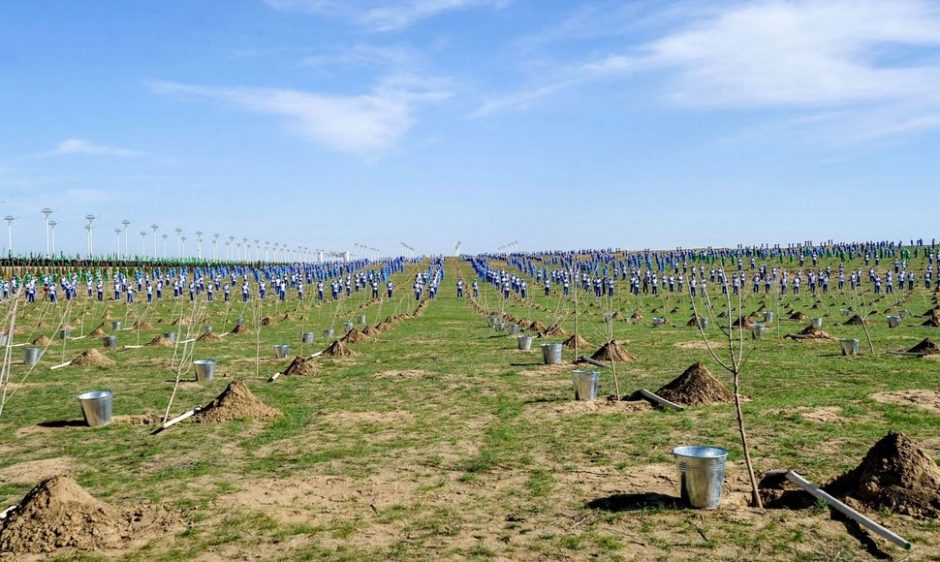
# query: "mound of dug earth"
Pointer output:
{"type": "Point", "coordinates": [613, 352]}
{"type": "Point", "coordinates": [555, 330]}
{"type": "Point", "coordinates": [58, 513]}
{"type": "Point", "coordinates": [42, 341]}
{"type": "Point", "coordinates": [267, 321]}
{"type": "Point", "coordinates": [142, 325]}
{"type": "Point", "coordinates": [797, 315]}
{"type": "Point", "coordinates": [926, 347]}
{"type": "Point", "coordinates": [695, 386]}
{"type": "Point", "coordinates": [855, 320]}
{"type": "Point", "coordinates": [240, 329]}
{"type": "Point", "coordinates": [932, 322]}
{"type": "Point", "coordinates": [160, 341]}
{"type": "Point", "coordinates": [338, 349]}
{"type": "Point", "coordinates": [812, 333]}
{"type": "Point", "coordinates": [97, 333]}
{"type": "Point", "coordinates": [92, 358]}
{"type": "Point", "coordinates": [354, 336]}
{"type": "Point", "coordinates": [895, 474]}
{"type": "Point", "coordinates": [571, 341]}
{"type": "Point", "coordinates": [209, 337]}
{"type": "Point", "coordinates": [301, 366]}
{"type": "Point", "coordinates": [235, 403]}
{"type": "Point", "coordinates": [636, 316]}
{"type": "Point", "coordinates": [537, 326]}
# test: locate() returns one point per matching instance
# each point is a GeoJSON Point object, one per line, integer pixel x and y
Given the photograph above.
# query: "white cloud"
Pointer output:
{"type": "Point", "coordinates": [82, 146]}
{"type": "Point", "coordinates": [358, 124]}
{"type": "Point", "coordinates": [862, 57]}
{"type": "Point", "coordinates": [381, 15]}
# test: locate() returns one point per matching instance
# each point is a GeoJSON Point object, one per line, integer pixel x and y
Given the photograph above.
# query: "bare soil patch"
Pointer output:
{"type": "Point", "coordinates": [926, 399]}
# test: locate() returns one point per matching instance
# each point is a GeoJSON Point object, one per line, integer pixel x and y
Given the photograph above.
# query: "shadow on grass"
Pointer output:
{"type": "Point", "coordinates": [635, 502]}
{"type": "Point", "coordinates": [62, 424]}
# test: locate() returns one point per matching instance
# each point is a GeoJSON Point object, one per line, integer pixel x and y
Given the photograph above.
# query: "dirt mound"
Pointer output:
{"type": "Point", "coordinates": [742, 322]}
{"type": "Point", "coordinates": [240, 329]}
{"type": "Point", "coordinates": [855, 320]}
{"type": "Point", "coordinates": [570, 342]}
{"type": "Point", "coordinates": [267, 321]}
{"type": "Point", "coordinates": [286, 316]}
{"type": "Point", "coordinates": [812, 333]}
{"type": "Point", "coordinates": [695, 386]}
{"type": "Point", "coordinates": [208, 337]}
{"type": "Point", "coordinates": [932, 322]}
{"type": "Point", "coordinates": [97, 333]}
{"type": "Point", "coordinates": [537, 326]}
{"type": "Point", "coordinates": [693, 322]}
{"type": "Point", "coordinates": [555, 330]}
{"type": "Point", "coordinates": [180, 322]}
{"type": "Point", "coordinates": [142, 325]}
{"type": "Point", "coordinates": [926, 347]}
{"type": "Point", "coordinates": [236, 402]}
{"type": "Point", "coordinates": [42, 341]}
{"type": "Point", "coordinates": [354, 336]}
{"type": "Point", "coordinates": [338, 349]}
{"type": "Point", "coordinates": [301, 366]}
{"type": "Point", "coordinates": [895, 474]}
{"type": "Point", "coordinates": [92, 358]}
{"type": "Point", "coordinates": [931, 312]}
{"type": "Point", "coordinates": [371, 330]}
{"type": "Point", "coordinates": [613, 352]}
{"type": "Point", "coordinates": [160, 341]}
{"type": "Point", "coordinates": [636, 316]}
{"type": "Point", "coordinates": [58, 513]}
{"type": "Point", "coordinates": [797, 315]}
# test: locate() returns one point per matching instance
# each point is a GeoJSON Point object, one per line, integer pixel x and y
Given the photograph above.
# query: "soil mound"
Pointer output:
{"type": "Point", "coordinates": [58, 513]}
{"type": "Point", "coordinates": [286, 316]}
{"type": "Point", "coordinates": [695, 386]}
{"type": "Point", "coordinates": [581, 342]}
{"type": "Point", "coordinates": [931, 312]}
{"type": "Point", "coordinates": [142, 325]}
{"type": "Point", "coordinates": [42, 340]}
{"type": "Point", "coordinates": [613, 352]}
{"type": "Point", "coordinates": [236, 402]}
{"type": "Point", "coordinates": [932, 322]}
{"type": "Point", "coordinates": [180, 322]}
{"type": "Point", "coordinates": [926, 347]}
{"type": "Point", "coordinates": [160, 341]}
{"type": "Point", "coordinates": [555, 330]}
{"type": "Point", "coordinates": [240, 329]}
{"type": "Point", "coordinates": [267, 321]}
{"type": "Point", "coordinates": [92, 358]}
{"type": "Point", "coordinates": [636, 316]}
{"type": "Point", "coordinates": [797, 315]}
{"type": "Point", "coordinates": [693, 322]}
{"type": "Point", "coordinates": [855, 320]}
{"type": "Point", "coordinates": [97, 333]}
{"type": "Point", "coordinates": [338, 349]}
{"type": "Point", "coordinates": [742, 322]}
{"type": "Point", "coordinates": [208, 337]}
{"type": "Point", "coordinates": [812, 333]}
{"type": "Point", "coordinates": [354, 336]}
{"type": "Point", "coordinates": [895, 474]}
{"type": "Point", "coordinates": [301, 366]}
{"type": "Point", "coordinates": [537, 326]}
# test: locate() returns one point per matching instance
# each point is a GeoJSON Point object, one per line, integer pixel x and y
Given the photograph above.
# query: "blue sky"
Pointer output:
{"type": "Point", "coordinates": [330, 123]}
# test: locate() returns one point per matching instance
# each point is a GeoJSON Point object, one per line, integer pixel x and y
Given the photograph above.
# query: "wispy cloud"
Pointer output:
{"type": "Point", "coordinates": [358, 124]}
{"type": "Point", "coordinates": [381, 15]}
{"type": "Point", "coordinates": [83, 146]}
{"type": "Point", "coordinates": [865, 57]}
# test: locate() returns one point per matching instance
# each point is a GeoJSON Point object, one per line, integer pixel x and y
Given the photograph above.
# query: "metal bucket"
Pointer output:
{"type": "Point", "coordinates": [492, 321]}
{"type": "Point", "coordinates": [894, 321]}
{"type": "Point", "coordinates": [768, 317]}
{"type": "Point", "coordinates": [515, 329]}
{"type": "Point", "coordinates": [817, 322]}
{"type": "Point", "coordinates": [65, 334]}
{"type": "Point", "coordinates": [349, 326]}
{"type": "Point", "coordinates": [170, 336]}
{"type": "Point", "coordinates": [585, 385]}
{"type": "Point", "coordinates": [117, 325]}
{"type": "Point", "coordinates": [524, 343]}
{"type": "Point", "coordinates": [701, 474]}
{"type": "Point", "coordinates": [758, 331]}
{"type": "Point", "coordinates": [3, 339]}
{"type": "Point", "coordinates": [239, 321]}
{"type": "Point", "coordinates": [207, 329]}
{"type": "Point", "coordinates": [362, 319]}
{"type": "Point", "coordinates": [31, 355]}
{"type": "Point", "coordinates": [500, 326]}
{"type": "Point", "coordinates": [110, 341]}
{"type": "Point", "coordinates": [329, 333]}
{"type": "Point", "coordinates": [903, 314]}
{"type": "Point", "coordinates": [849, 346]}
{"type": "Point", "coordinates": [551, 353]}
{"type": "Point", "coordinates": [306, 337]}
{"type": "Point", "coordinates": [703, 323]}
{"type": "Point", "coordinates": [280, 350]}
{"type": "Point", "coordinates": [96, 407]}
{"type": "Point", "coordinates": [205, 369]}
{"type": "Point", "coordinates": [658, 322]}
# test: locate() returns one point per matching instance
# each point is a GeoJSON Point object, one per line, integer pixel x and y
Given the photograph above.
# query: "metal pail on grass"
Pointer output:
{"type": "Point", "coordinates": [65, 334]}
{"type": "Point", "coordinates": [768, 317]}
{"type": "Point", "coordinates": [658, 322]}
{"type": "Point", "coordinates": [894, 321]}
{"type": "Point", "coordinates": [758, 331]}
{"type": "Point", "coordinates": [239, 321]}
{"type": "Point", "coordinates": [170, 336]}
{"type": "Point", "coordinates": [515, 329]}
{"type": "Point", "coordinates": [585, 385]}
{"type": "Point", "coordinates": [551, 353]}
{"type": "Point", "coordinates": [849, 346]}
{"type": "Point", "coordinates": [349, 326]}
{"type": "Point", "coordinates": [31, 355]}
{"type": "Point", "coordinates": [280, 350]}
{"type": "Point", "coordinates": [816, 322]}
{"type": "Point", "coordinates": [362, 319]}
{"type": "Point", "coordinates": [96, 407]}
{"type": "Point", "coordinates": [117, 325]}
{"type": "Point", "coordinates": [205, 369]}
{"type": "Point", "coordinates": [701, 474]}
{"type": "Point", "coordinates": [329, 333]}
{"type": "Point", "coordinates": [524, 343]}
{"type": "Point", "coordinates": [110, 342]}
{"type": "Point", "coordinates": [207, 329]}
{"type": "Point", "coordinates": [306, 337]}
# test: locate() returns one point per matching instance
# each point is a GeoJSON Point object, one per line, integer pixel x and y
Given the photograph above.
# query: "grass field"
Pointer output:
{"type": "Point", "coordinates": [439, 440]}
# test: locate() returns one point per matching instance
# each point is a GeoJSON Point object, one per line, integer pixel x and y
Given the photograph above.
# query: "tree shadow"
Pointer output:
{"type": "Point", "coordinates": [62, 424]}
{"type": "Point", "coordinates": [863, 537]}
{"type": "Point", "coordinates": [635, 502]}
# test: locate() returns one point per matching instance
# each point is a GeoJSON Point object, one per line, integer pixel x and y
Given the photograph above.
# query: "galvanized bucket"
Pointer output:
{"type": "Point", "coordinates": [658, 322]}
{"type": "Point", "coordinates": [551, 353]}
{"type": "Point", "coordinates": [894, 321]}
{"type": "Point", "coordinates": [349, 326]}
{"type": "Point", "coordinates": [585, 385]}
{"type": "Point", "coordinates": [170, 336]}
{"type": "Point", "coordinates": [117, 325]}
{"type": "Point", "coordinates": [515, 329]}
{"type": "Point", "coordinates": [306, 337]}
{"type": "Point", "coordinates": [758, 331]}
{"type": "Point", "coordinates": [207, 329]}
{"type": "Point", "coordinates": [492, 321]}
{"type": "Point", "coordinates": [239, 321]}
{"type": "Point", "coordinates": [816, 322]}
{"type": "Point", "coordinates": [329, 333]}
{"type": "Point", "coordinates": [110, 341]}
{"type": "Point", "coordinates": [205, 369]}
{"type": "Point", "coordinates": [703, 323]}
{"type": "Point", "coordinates": [3, 339]}
{"type": "Point", "coordinates": [280, 350]}
{"type": "Point", "coordinates": [701, 474]}
{"type": "Point", "coordinates": [362, 318]}
{"type": "Point", "coordinates": [849, 346]}
{"type": "Point", "coordinates": [500, 326]}
{"type": "Point", "coordinates": [65, 334]}
{"type": "Point", "coordinates": [96, 407]}
{"type": "Point", "coordinates": [31, 355]}
{"type": "Point", "coordinates": [524, 343]}
{"type": "Point", "coordinates": [903, 314]}
{"type": "Point", "coordinates": [768, 317]}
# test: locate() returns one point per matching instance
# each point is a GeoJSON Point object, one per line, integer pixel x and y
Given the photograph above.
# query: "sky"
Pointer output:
{"type": "Point", "coordinates": [335, 124]}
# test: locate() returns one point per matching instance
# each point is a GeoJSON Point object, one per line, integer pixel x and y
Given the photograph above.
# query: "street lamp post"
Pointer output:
{"type": "Point", "coordinates": [164, 236]}
{"type": "Point", "coordinates": [143, 244]}
{"type": "Point", "coordinates": [117, 232]}
{"type": "Point", "coordinates": [215, 246]}
{"type": "Point", "coordinates": [127, 249]}
{"type": "Point", "coordinates": [52, 225]}
{"type": "Point", "coordinates": [154, 228]}
{"type": "Point", "coordinates": [179, 242]}
{"type": "Point", "coordinates": [46, 212]}
{"type": "Point", "coordinates": [91, 234]}
{"type": "Point", "coordinates": [9, 219]}
{"type": "Point", "coordinates": [199, 244]}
